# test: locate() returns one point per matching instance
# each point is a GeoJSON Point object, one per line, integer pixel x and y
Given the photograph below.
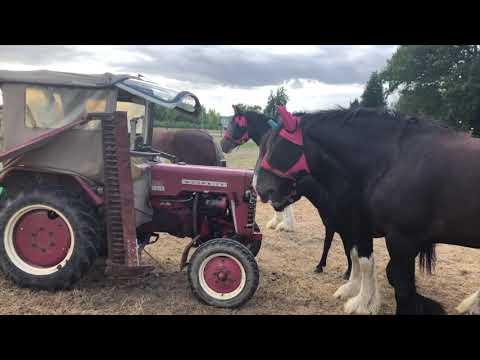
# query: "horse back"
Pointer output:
{"type": "Point", "coordinates": [432, 186]}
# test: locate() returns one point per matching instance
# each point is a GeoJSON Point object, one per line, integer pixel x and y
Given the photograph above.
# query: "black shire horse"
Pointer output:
{"type": "Point", "coordinates": [399, 174]}
{"type": "Point", "coordinates": [252, 125]}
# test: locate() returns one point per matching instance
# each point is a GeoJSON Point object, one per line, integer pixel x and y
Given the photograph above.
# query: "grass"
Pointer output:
{"type": "Point", "coordinates": [243, 157]}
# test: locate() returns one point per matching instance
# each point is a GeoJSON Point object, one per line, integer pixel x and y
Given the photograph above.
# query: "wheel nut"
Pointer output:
{"type": "Point", "coordinates": [222, 276]}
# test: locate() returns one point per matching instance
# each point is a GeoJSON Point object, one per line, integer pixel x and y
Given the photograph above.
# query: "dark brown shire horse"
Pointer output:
{"type": "Point", "coordinates": [252, 125]}
{"type": "Point", "coordinates": [398, 171]}
{"type": "Point", "coordinates": [191, 146]}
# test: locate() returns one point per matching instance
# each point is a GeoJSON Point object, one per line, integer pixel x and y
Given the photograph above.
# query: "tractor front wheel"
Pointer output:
{"type": "Point", "coordinates": [223, 273]}
{"type": "Point", "coordinates": [46, 240]}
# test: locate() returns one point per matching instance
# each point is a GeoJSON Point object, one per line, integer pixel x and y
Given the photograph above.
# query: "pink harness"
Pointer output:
{"type": "Point", "coordinates": [292, 133]}
{"type": "Point", "coordinates": [241, 121]}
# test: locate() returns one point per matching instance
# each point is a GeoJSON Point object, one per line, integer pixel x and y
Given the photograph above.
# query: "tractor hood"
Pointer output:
{"type": "Point", "coordinates": [172, 179]}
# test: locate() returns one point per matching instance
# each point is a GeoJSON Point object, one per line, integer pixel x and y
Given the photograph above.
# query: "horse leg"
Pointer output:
{"type": "Point", "coordinates": [288, 220]}
{"type": "Point", "coordinates": [277, 218]}
{"type": "Point", "coordinates": [326, 248]}
{"type": "Point", "coordinates": [347, 247]}
{"type": "Point", "coordinates": [352, 287]}
{"type": "Point", "coordinates": [368, 301]}
{"type": "Point", "coordinates": [401, 275]}
{"type": "Point", "coordinates": [471, 305]}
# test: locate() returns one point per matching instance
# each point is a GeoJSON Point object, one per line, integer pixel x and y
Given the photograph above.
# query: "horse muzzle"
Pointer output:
{"type": "Point", "coordinates": [227, 145]}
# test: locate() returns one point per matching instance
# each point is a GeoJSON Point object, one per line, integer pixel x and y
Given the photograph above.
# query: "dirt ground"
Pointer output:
{"type": "Point", "coordinates": [288, 283]}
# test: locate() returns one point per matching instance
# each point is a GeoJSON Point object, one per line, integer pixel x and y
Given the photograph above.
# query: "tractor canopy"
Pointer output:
{"type": "Point", "coordinates": [42, 118]}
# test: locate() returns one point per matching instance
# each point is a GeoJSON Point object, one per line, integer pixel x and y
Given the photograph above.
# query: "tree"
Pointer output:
{"type": "Point", "coordinates": [373, 95]}
{"type": "Point", "coordinates": [440, 81]}
{"type": "Point", "coordinates": [169, 118]}
{"type": "Point", "coordinates": [354, 104]}
{"type": "Point", "coordinates": [280, 97]}
{"type": "Point", "coordinates": [244, 107]}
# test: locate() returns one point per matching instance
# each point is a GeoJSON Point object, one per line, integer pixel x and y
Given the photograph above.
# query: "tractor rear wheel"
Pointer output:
{"type": "Point", "coordinates": [223, 273]}
{"type": "Point", "coordinates": [47, 239]}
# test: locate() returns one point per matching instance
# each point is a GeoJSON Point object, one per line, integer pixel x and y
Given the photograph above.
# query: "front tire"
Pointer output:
{"type": "Point", "coordinates": [46, 240]}
{"type": "Point", "coordinates": [223, 273]}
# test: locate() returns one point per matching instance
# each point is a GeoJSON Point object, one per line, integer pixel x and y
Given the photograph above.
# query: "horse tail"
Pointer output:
{"type": "Point", "coordinates": [428, 258]}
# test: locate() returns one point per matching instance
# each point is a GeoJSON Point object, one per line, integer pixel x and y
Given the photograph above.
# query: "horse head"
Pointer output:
{"type": "Point", "coordinates": [281, 163]}
{"type": "Point", "coordinates": [243, 126]}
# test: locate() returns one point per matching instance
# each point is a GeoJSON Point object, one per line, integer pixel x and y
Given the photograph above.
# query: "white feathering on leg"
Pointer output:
{"type": "Point", "coordinates": [277, 218]}
{"type": "Point", "coordinates": [288, 221]}
{"type": "Point", "coordinates": [352, 287]}
{"type": "Point", "coordinates": [367, 302]}
{"type": "Point", "coordinates": [471, 305]}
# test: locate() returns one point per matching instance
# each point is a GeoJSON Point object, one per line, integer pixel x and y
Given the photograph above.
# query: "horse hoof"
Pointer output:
{"type": "Point", "coordinates": [319, 269]}
{"type": "Point", "coordinates": [284, 227]}
{"type": "Point", "coordinates": [348, 290]}
{"type": "Point", "coordinates": [471, 305]}
{"type": "Point", "coordinates": [346, 276]}
{"type": "Point", "coordinates": [359, 305]}
{"type": "Point", "coordinates": [272, 224]}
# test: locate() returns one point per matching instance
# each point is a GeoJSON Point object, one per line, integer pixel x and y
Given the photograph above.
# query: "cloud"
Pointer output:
{"type": "Point", "coordinates": [259, 65]}
{"type": "Point", "coordinates": [315, 76]}
{"type": "Point", "coordinates": [236, 66]}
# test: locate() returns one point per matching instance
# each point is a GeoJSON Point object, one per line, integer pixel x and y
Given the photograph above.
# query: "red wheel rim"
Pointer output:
{"type": "Point", "coordinates": [41, 238]}
{"type": "Point", "coordinates": [222, 274]}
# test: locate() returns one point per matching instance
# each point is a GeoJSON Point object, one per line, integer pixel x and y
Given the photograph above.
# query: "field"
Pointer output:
{"type": "Point", "coordinates": [288, 283]}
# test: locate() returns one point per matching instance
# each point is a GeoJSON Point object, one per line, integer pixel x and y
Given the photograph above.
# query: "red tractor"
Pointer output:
{"type": "Point", "coordinates": [80, 180]}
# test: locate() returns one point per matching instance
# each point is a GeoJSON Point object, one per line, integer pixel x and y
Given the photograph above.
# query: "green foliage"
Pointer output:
{"type": "Point", "coordinates": [280, 97]}
{"type": "Point", "coordinates": [441, 81]}
{"type": "Point", "coordinates": [174, 119]}
{"type": "Point", "coordinates": [373, 95]}
{"type": "Point", "coordinates": [244, 107]}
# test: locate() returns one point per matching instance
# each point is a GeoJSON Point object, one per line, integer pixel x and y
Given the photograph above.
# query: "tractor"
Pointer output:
{"type": "Point", "coordinates": [80, 181]}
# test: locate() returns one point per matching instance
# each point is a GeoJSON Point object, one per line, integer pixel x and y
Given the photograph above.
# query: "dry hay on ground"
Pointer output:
{"type": "Point", "coordinates": [288, 283]}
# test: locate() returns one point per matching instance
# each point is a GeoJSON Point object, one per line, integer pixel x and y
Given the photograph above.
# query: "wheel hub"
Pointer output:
{"type": "Point", "coordinates": [41, 238]}
{"type": "Point", "coordinates": [223, 274]}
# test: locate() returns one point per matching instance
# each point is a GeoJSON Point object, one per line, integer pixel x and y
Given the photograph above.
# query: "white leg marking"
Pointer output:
{"type": "Point", "coordinates": [367, 302]}
{"type": "Point", "coordinates": [288, 221]}
{"type": "Point", "coordinates": [352, 287]}
{"type": "Point", "coordinates": [254, 182]}
{"type": "Point", "coordinates": [471, 305]}
{"type": "Point", "coordinates": [277, 218]}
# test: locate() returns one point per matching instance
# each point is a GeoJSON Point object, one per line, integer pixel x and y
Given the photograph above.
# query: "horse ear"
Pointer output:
{"type": "Point", "coordinates": [289, 121]}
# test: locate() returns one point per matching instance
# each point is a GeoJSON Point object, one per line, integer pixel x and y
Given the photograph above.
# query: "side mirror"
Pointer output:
{"type": "Point", "coordinates": [188, 104]}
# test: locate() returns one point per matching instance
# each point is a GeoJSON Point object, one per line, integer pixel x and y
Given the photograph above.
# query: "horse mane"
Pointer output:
{"type": "Point", "coordinates": [350, 115]}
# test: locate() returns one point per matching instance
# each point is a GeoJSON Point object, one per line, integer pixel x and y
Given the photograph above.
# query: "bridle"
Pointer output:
{"type": "Point", "coordinates": [241, 122]}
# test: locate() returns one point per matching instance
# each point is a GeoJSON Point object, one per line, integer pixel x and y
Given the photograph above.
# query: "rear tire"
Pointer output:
{"type": "Point", "coordinates": [47, 239]}
{"type": "Point", "coordinates": [223, 273]}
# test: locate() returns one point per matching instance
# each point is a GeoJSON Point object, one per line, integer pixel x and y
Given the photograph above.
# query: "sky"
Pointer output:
{"type": "Point", "coordinates": [315, 76]}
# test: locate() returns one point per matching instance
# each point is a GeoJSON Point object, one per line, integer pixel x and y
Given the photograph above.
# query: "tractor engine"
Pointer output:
{"type": "Point", "coordinates": [193, 214]}
{"type": "Point", "coordinates": [204, 201]}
